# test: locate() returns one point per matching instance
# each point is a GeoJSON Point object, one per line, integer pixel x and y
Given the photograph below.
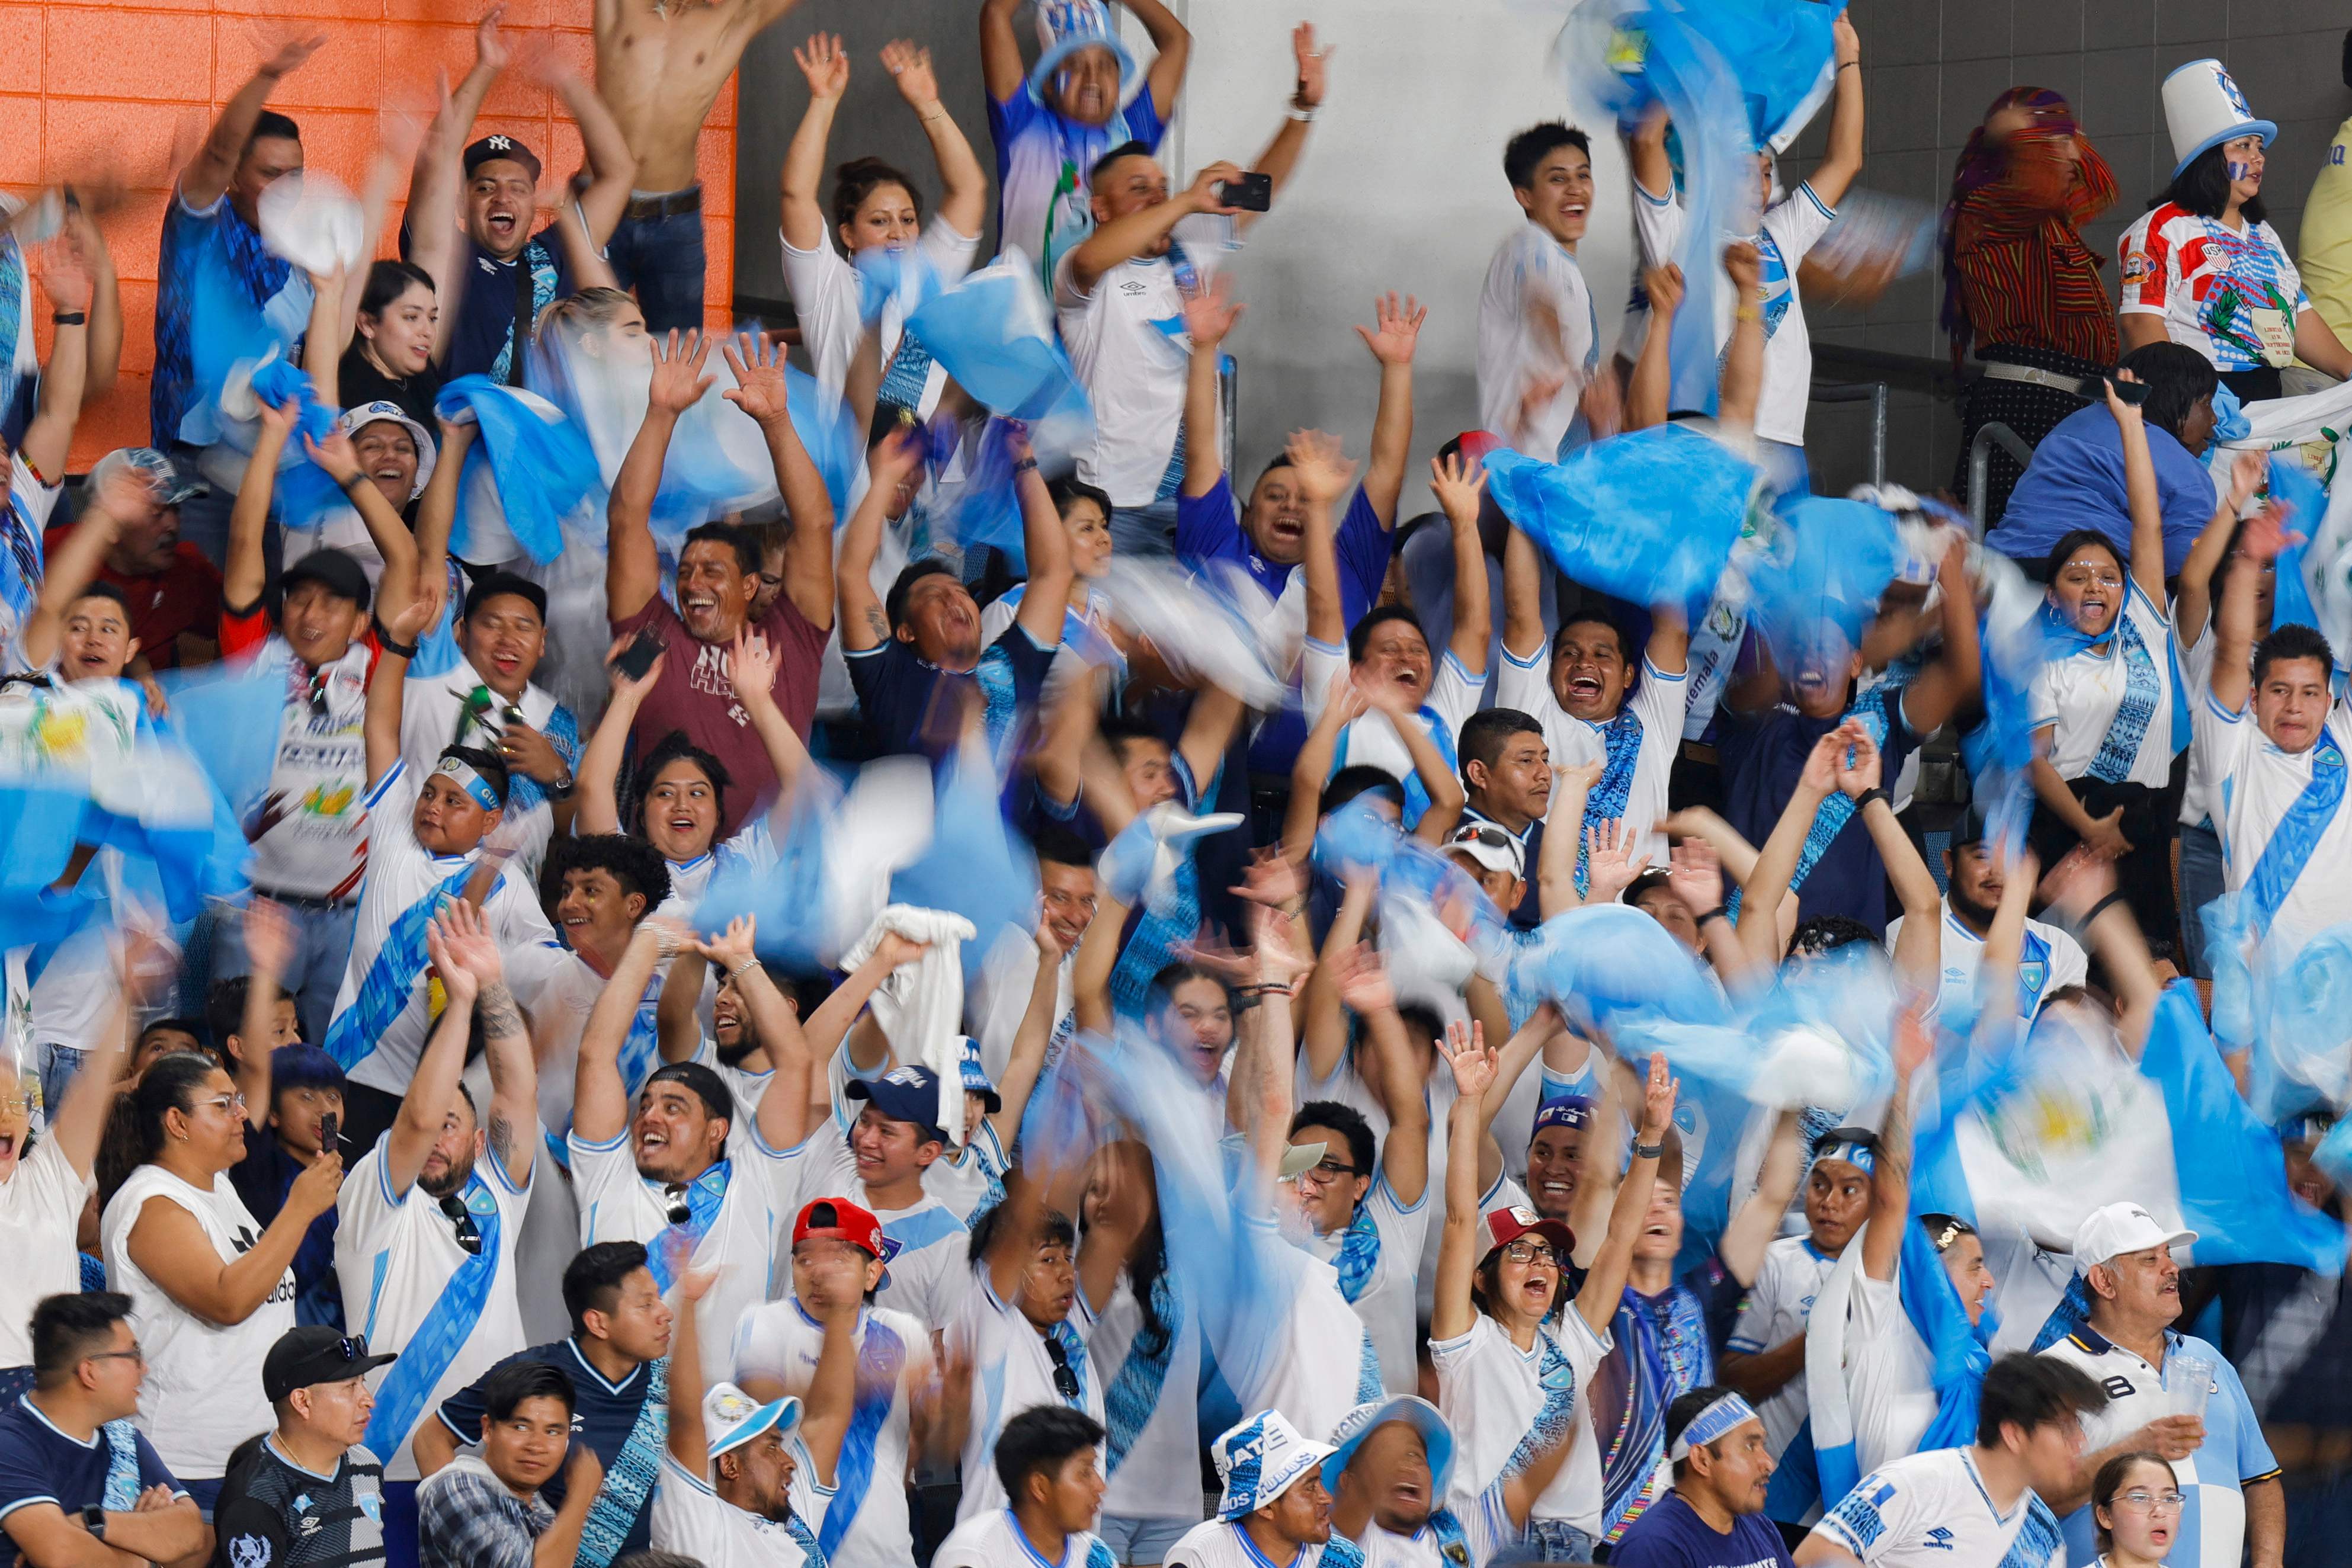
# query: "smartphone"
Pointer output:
{"type": "Point", "coordinates": [1252, 192]}
{"type": "Point", "coordinates": [327, 1126]}
{"type": "Point", "coordinates": [2134, 393]}
{"type": "Point", "coordinates": [638, 656]}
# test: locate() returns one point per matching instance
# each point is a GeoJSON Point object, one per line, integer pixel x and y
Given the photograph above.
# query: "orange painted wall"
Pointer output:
{"type": "Point", "coordinates": [90, 88]}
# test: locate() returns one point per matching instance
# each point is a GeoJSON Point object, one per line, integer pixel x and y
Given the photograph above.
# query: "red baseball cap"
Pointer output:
{"type": "Point", "coordinates": [1504, 1226]}
{"type": "Point", "coordinates": [844, 1221]}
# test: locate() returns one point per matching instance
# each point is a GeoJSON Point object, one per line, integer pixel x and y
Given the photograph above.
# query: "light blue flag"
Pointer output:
{"type": "Point", "coordinates": [994, 334]}
{"type": "Point", "coordinates": [977, 866]}
{"type": "Point", "coordinates": [1825, 572]}
{"type": "Point", "coordinates": [1650, 516]}
{"type": "Point", "coordinates": [305, 492]}
{"type": "Point", "coordinates": [528, 467]}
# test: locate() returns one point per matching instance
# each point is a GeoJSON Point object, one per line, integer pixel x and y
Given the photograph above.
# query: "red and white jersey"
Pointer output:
{"type": "Point", "coordinates": [2231, 293]}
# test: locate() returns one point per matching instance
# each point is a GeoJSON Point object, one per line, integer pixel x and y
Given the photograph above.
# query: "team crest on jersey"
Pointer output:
{"type": "Point", "coordinates": [248, 1552]}
{"type": "Point", "coordinates": [2135, 266]}
{"type": "Point", "coordinates": [372, 1506]}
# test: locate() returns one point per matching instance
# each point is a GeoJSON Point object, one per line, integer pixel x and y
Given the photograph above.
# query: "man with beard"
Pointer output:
{"type": "Point", "coordinates": [2051, 961]}
{"type": "Point", "coordinates": [1722, 1465]}
{"type": "Point", "coordinates": [1387, 1474]}
{"type": "Point", "coordinates": [426, 1245]}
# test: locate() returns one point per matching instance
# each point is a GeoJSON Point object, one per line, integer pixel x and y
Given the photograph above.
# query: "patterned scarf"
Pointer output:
{"type": "Point", "coordinates": [544, 280]}
{"type": "Point", "coordinates": [880, 1362]}
{"type": "Point", "coordinates": [401, 1398]}
{"type": "Point", "coordinates": [12, 320]}
{"type": "Point", "coordinates": [629, 1479]}
{"type": "Point", "coordinates": [705, 1195]}
{"type": "Point", "coordinates": [1664, 1341]}
{"type": "Point", "coordinates": [2298, 832]}
{"type": "Point", "coordinates": [910, 373]}
{"type": "Point", "coordinates": [1558, 1379]}
{"type": "Point", "coordinates": [2141, 689]}
{"type": "Point", "coordinates": [1622, 736]}
{"type": "Point", "coordinates": [389, 983]}
{"type": "Point", "coordinates": [122, 1466]}
{"type": "Point", "coordinates": [2038, 1539]}
{"type": "Point", "coordinates": [1360, 1255]}
{"type": "Point", "coordinates": [1416, 794]}
{"type": "Point", "coordinates": [1132, 1394]}
{"type": "Point", "coordinates": [1985, 269]}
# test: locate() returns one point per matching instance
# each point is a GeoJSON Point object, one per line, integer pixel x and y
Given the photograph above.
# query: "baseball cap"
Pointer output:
{"type": "Point", "coordinates": [908, 1093]}
{"type": "Point", "coordinates": [2120, 1227]}
{"type": "Point", "coordinates": [1567, 1111]}
{"type": "Point", "coordinates": [1970, 828]}
{"type": "Point", "coordinates": [844, 1221]}
{"type": "Point", "coordinates": [340, 574]}
{"type": "Point", "coordinates": [1436, 1437]}
{"type": "Point", "coordinates": [1260, 1459]}
{"type": "Point", "coordinates": [702, 1082]}
{"type": "Point", "coordinates": [491, 148]}
{"type": "Point", "coordinates": [1502, 1226]}
{"type": "Point", "coordinates": [731, 1418]}
{"type": "Point", "coordinates": [1489, 847]}
{"type": "Point", "coordinates": [314, 1353]}
{"type": "Point", "coordinates": [492, 584]}
{"type": "Point", "coordinates": [353, 420]}
{"type": "Point", "coordinates": [975, 1077]}
{"type": "Point", "coordinates": [170, 485]}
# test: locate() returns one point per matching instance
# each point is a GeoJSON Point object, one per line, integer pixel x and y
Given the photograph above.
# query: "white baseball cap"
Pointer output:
{"type": "Point", "coordinates": [2120, 1227]}
{"type": "Point", "coordinates": [731, 1418]}
{"type": "Point", "coordinates": [1260, 1459]}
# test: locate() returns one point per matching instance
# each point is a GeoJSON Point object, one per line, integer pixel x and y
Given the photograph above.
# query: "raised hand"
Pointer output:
{"type": "Point", "coordinates": [897, 456]}
{"type": "Point", "coordinates": [1575, 775]}
{"type": "Point", "coordinates": [1658, 1100]}
{"type": "Point", "coordinates": [1457, 481]}
{"type": "Point", "coordinates": [1364, 981]}
{"type": "Point", "coordinates": [1822, 763]}
{"type": "Point", "coordinates": [751, 662]}
{"type": "Point", "coordinates": [1695, 875]}
{"type": "Point", "coordinates": [909, 65]}
{"type": "Point", "coordinates": [1845, 44]}
{"type": "Point", "coordinates": [65, 274]}
{"type": "Point", "coordinates": [1859, 765]}
{"type": "Point", "coordinates": [290, 56]}
{"type": "Point", "coordinates": [2127, 414]}
{"type": "Point", "coordinates": [1306, 90]}
{"type": "Point", "coordinates": [1397, 330]}
{"type": "Point", "coordinates": [1201, 194]}
{"type": "Point", "coordinates": [1915, 1042]}
{"type": "Point", "coordinates": [2266, 534]}
{"type": "Point", "coordinates": [1663, 285]}
{"type": "Point", "coordinates": [335, 456]}
{"type": "Point", "coordinates": [2247, 472]}
{"type": "Point", "coordinates": [490, 51]}
{"type": "Point", "coordinates": [268, 939]}
{"type": "Point", "coordinates": [1271, 879]}
{"type": "Point", "coordinates": [313, 1192]}
{"type": "Point", "coordinates": [1210, 314]}
{"type": "Point", "coordinates": [732, 947]}
{"type": "Point", "coordinates": [896, 952]}
{"type": "Point", "coordinates": [678, 382]}
{"type": "Point", "coordinates": [1611, 864]}
{"type": "Point", "coordinates": [825, 64]}
{"type": "Point", "coordinates": [1322, 469]}
{"type": "Point", "coordinates": [1745, 263]}
{"type": "Point", "coordinates": [1470, 1057]}
{"type": "Point", "coordinates": [422, 612]}
{"type": "Point", "coordinates": [622, 684]}
{"type": "Point", "coordinates": [529, 753]}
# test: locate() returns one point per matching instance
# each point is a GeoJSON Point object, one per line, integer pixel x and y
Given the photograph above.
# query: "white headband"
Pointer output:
{"type": "Point", "coordinates": [1714, 1421]}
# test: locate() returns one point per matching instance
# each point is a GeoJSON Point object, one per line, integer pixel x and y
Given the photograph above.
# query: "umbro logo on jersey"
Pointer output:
{"type": "Point", "coordinates": [1939, 1538]}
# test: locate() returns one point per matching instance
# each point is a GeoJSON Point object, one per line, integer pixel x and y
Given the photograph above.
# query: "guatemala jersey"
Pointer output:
{"type": "Point", "coordinates": [212, 243]}
{"type": "Point", "coordinates": [864, 1523]}
{"type": "Point", "coordinates": [1152, 1399]}
{"type": "Point", "coordinates": [1506, 1405]}
{"type": "Point", "coordinates": [1129, 347]}
{"type": "Point", "coordinates": [996, 1540]}
{"type": "Point", "coordinates": [1778, 1306]}
{"type": "Point", "coordinates": [1932, 1511]}
{"type": "Point", "coordinates": [2110, 713]}
{"type": "Point", "coordinates": [412, 1287]}
{"type": "Point", "coordinates": [828, 292]}
{"type": "Point", "coordinates": [310, 829]}
{"type": "Point", "coordinates": [2229, 294]}
{"type": "Point", "coordinates": [931, 1268]}
{"type": "Point", "coordinates": [2279, 834]}
{"type": "Point", "coordinates": [1531, 276]}
{"type": "Point", "coordinates": [2051, 961]}
{"type": "Point", "coordinates": [1220, 1543]}
{"type": "Point", "coordinates": [2233, 1457]}
{"type": "Point", "coordinates": [1448, 1539]}
{"type": "Point", "coordinates": [31, 501]}
{"type": "Point", "coordinates": [1378, 1257]}
{"type": "Point", "coordinates": [276, 1514]}
{"type": "Point", "coordinates": [1453, 691]}
{"type": "Point", "coordinates": [1636, 750]}
{"type": "Point", "coordinates": [1014, 1369]}
{"type": "Point", "coordinates": [1044, 167]}
{"type": "Point", "coordinates": [695, 1521]}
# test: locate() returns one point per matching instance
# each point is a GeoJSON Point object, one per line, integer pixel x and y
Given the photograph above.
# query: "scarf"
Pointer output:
{"type": "Point", "coordinates": [705, 1195]}
{"type": "Point", "coordinates": [2036, 294]}
{"type": "Point", "coordinates": [629, 1478]}
{"type": "Point", "coordinates": [910, 373]}
{"type": "Point", "coordinates": [12, 321]}
{"type": "Point", "coordinates": [2038, 1539]}
{"type": "Point", "coordinates": [390, 983]}
{"type": "Point", "coordinates": [1664, 1341]}
{"type": "Point", "coordinates": [2032, 974]}
{"type": "Point", "coordinates": [1622, 736]}
{"type": "Point", "coordinates": [401, 1398]}
{"type": "Point", "coordinates": [2298, 832]}
{"type": "Point", "coordinates": [2141, 689]}
{"type": "Point", "coordinates": [880, 1362]}
{"type": "Point", "coordinates": [1132, 1394]}
{"type": "Point", "coordinates": [1453, 1541]}
{"type": "Point", "coordinates": [1416, 794]}
{"type": "Point", "coordinates": [1835, 812]}
{"type": "Point", "coordinates": [1360, 1255]}
{"type": "Point", "coordinates": [1960, 1349]}
{"type": "Point", "coordinates": [1558, 1379]}
{"type": "Point", "coordinates": [541, 259]}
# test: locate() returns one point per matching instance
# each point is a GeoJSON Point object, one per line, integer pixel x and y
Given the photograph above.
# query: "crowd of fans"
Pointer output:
{"type": "Point", "coordinates": [506, 1175]}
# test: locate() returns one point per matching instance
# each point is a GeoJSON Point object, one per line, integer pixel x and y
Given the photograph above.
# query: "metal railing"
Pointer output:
{"type": "Point", "coordinates": [1875, 395]}
{"type": "Point", "coordinates": [1988, 436]}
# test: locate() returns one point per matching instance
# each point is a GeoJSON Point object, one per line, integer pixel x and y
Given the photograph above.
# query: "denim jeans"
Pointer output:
{"type": "Point", "coordinates": [2200, 884]}
{"type": "Point", "coordinates": [1146, 530]}
{"type": "Point", "coordinates": [664, 260]}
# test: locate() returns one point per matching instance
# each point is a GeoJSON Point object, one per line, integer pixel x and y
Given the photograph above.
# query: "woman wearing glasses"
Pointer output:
{"type": "Point", "coordinates": [2135, 1502]}
{"type": "Point", "coordinates": [211, 1289]}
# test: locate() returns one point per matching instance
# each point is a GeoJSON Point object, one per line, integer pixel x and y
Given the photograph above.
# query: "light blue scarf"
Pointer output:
{"type": "Point", "coordinates": [122, 1466]}
{"type": "Point", "coordinates": [1623, 737]}
{"type": "Point", "coordinates": [1558, 1379]}
{"type": "Point", "coordinates": [1416, 794]}
{"type": "Point", "coordinates": [400, 1400]}
{"type": "Point", "coordinates": [1133, 1393]}
{"type": "Point", "coordinates": [389, 983]}
{"type": "Point", "coordinates": [2129, 727]}
{"type": "Point", "coordinates": [2298, 833]}
{"type": "Point", "coordinates": [629, 1479]}
{"type": "Point", "coordinates": [704, 1196]}
{"type": "Point", "coordinates": [1360, 1255]}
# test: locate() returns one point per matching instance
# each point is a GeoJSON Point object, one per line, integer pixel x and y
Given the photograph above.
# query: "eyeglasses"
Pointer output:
{"type": "Point", "coordinates": [1525, 1251]}
{"type": "Point", "coordinates": [134, 1354]}
{"type": "Point", "coordinates": [470, 1236]}
{"type": "Point", "coordinates": [1326, 1173]}
{"type": "Point", "coordinates": [675, 1208]}
{"type": "Point", "coordinates": [226, 1102]}
{"type": "Point", "coordinates": [16, 1105]}
{"type": "Point", "coordinates": [1066, 1378]}
{"type": "Point", "coordinates": [2149, 1501]}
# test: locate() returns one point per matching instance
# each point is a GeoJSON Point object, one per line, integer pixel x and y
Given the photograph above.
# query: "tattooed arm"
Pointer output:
{"type": "Point", "coordinates": [511, 1127]}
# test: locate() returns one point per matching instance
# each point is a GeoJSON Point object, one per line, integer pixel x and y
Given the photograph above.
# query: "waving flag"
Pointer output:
{"type": "Point", "coordinates": [977, 866]}
{"type": "Point", "coordinates": [528, 467]}
{"type": "Point", "coordinates": [993, 332]}
{"type": "Point", "coordinates": [1825, 572]}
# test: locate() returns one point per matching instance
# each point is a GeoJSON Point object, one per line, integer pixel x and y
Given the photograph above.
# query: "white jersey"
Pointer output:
{"type": "Point", "coordinates": [1932, 1510]}
{"type": "Point", "coordinates": [932, 1268]}
{"type": "Point", "coordinates": [40, 1217]}
{"type": "Point", "coordinates": [313, 818]}
{"type": "Point", "coordinates": [2052, 960]}
{"type": "Point", "coordinates": [1533, 276]}
{"type": "Point", "coordinates": [397, 1256]}
{"type": "Point", "coordinates": [564, 997]}
{"type": "Point", "coordinates": [1377, 1257]}
{"type": "Point", "coordinates": [2200, 798]}
{"type": "Point", "coordinates": [1453, 693]}
{"type": "Point", "coordinates": [778, 1341]}
{"type": "Point", "coordinates": [1153, 1410]}
{"type": "Point", "coordinates": [1890, 1374]}
{"type": "Point", "coordinates": [1790, 228]}
{"type": "Point", "coordinates": [1778, 1306]}
{"type": "Point", "coordinates": [1484, 1530]}
{"type": "Point", "coordinates": [973, 1179]}
{"type": "Point", "coordinates": [1656, 704]}
{"type": "Point", "coordinates": [1127, 342]}
{"type": "Point", "coordinates": [1220, 1543]}
{"type": "Point", "coordinates": [1012, 1371]}
{"type": "Point", "coordinates": [994, 1540]}
{"type": "Point", "coordinates": [201, 1395]}
{"type": "Point", "coordinates": [431, 715]}
{"type": "Point", "coordinates": [2081, 699]}
{"type": "Point", "coordinates": [998, 997]}
{"type": "Point", "coordinates": [388, 953]}
{"type": "Point", "coordinates": [829, 296]}
{"type": "Point", "coordinates": [738, 1236]}
{"type": "Point", "coordinates": [695, 1521]}
{"type": "Point", "coordinates": [2258, 785]}
{"type": "Point", "coordinates": [1497, 1397]}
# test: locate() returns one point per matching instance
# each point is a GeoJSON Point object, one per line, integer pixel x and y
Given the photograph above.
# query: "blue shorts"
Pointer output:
{"type": "Point", "coordinates": [1142, 1541]}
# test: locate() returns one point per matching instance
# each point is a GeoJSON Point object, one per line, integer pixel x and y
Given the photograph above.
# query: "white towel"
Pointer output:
{"type": "Point", "coordinates": [920, 1005]}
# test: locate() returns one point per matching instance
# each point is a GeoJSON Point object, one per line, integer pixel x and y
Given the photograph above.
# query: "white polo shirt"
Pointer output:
{"type": "Point", "coordinates": [1657, 701]}
{"type": "Point", "coordinates": [2051, 961]}
{"type": "Point", "coordinates": [2078, 697]}
{"type": "Point", "coordinates": [695, 1521]}
{"type": "Point", "coordinates": [1778, 1306]}
{"type": "Point", "coordinates": [1493, 1395]}
{"type": "Point", "coordinates": [2257, 785]}
{"type": "Point", "coordinates": [1932, 1511]}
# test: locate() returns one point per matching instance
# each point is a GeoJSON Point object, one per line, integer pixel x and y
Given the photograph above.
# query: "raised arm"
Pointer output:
{"type": "Point", "coordinates": [599, 772]}
{"type": "Point", "coordinates": [610, 168]}
{"type": "Point", "coordinates": [864, 626]}
{"type": "Point", "coordinates": [760, 392]}
{"type": "Point", "coordinates": [1209, 316]}
{"type": "Point", "coordinates": [1523, 624]}
{"type": "Point", "coordinates": [1392, 341]}
{"type": "Point", "coordinates": [1125, 238]}
{"type": "Point", "coordinates": [1452, 1311]}
{"type": "Point", "coordinates": [66, 279]}
{"type": "Point", "coordinates": [397, 588]}
{"type": "Point", "coordinates": [270, 950]}
{"type": "Point", "coordinates": [2265, 536]}
{"type": "Point", "coordinates": [632, 566]}
{"type": "Point", "coordinates": [74, 565]}
{"type": "Point", "coordinates": [512, 1133]}
{"type": "Point", "coordinates": [1649, 394]}
{"type": "Point", "coordinates": [1280, 156]}
{"type": "Point", "coordinates": [1776, 865]}
{"type": "Point", "coordinates": [964, 185]}
{"type": "Point", "coordinates": [1000, 51]}
{"type": "Point", "coordinates": [388, 690]}
{"type": "Point", "coordinates": [1044, 606]}
{"type": "Point", "coordinates": [1343, 705]}
{"type": "Point", "coordinates": [830, 1402]}
{"type": "Point", "coordinates": [1752, 1229]}
{"type": "Point", "coordinates": [1405, 1153]}
{"type": "Point", "coordinates": [1026, 1062]}
{"type": "Point", "coordinates": [753, 665]}
{"type": "Point", "coordinates": [1323, 475]}
{"type": "Point", "coordinates": [688, 1443]}
{"type": "Point", "coordinates": [1571, 787]}
{"type": "Point", "coordinates": [600, 1099]}
{"type": "Point", "coordinates": [1842, 159]}
{"type": "Point", "coordinates": [1457, 485]}
{"type": "Point", "coordinates": [1605, 1284]}
{"type": "Point", "coordinates": [2192, 592]}
{"type": "Point", "coordinates": [1919, 950]}
{"type": "Point", "coordinates": [206, 178]}
{"type": "Point", "coordinates": [1323, 1022]}
{"type": "Point", "coordinates": [1890, 1180]}
{"type": "Point", "coordinates": [824, 65]}
{"type": "Point", "coordinates": [2081, 891]}
{"type": "Point", "coordinates": [2139, 487]}
{"type": "Point", "coordinates": [1165, 81]}
{"type": "Point", "coordinates": [424, 1109]}
{"type": "Point", "coordinates": [243, 573]}
{"type": "Point", "coordinates": [431, 215]}
{"type": "Point", "coordinates": [1741, 382]}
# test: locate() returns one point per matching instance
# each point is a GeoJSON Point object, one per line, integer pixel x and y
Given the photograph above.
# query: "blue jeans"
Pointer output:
{"type": "Point", "coordinates": [2200, 884]}
{"type": "Point", "coordinates": [206, 1494]}
{"type": "Point", "coordinates": [664, 260]}
{"type": "Point", "coordinates": [1133, 1540]}
{"type": "Point", "coordinates": [1557, 1541]}
{"type": "Point", "coordinates": [1144, 530]}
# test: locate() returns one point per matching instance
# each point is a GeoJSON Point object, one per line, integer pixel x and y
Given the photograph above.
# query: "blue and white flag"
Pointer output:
{"type": "Point", "coordinates": [527, 467]}
{"type": "Point", "coordinates": [994, 335]}
{"type": "Point", "coordinates": [1826, 570]}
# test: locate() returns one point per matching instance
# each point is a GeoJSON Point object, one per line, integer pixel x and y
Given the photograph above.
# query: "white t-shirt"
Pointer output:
{"type": "Point", "coordinates": [1453, 691]}
{"type": "Point", "coordinates": [1217, 1544]}
{"type": "Point", "coordinates": [1656, 702]}
{"type": "Point", "coordinates": [429, 710]}
{"type": "Point", "coordinates": [1531, 271]}
{"type": "Point", "coordinates": [1789, 229]}
{"type": "Point", "coordinates": [1890, 1374]}
{"type": "Point", "coordinates": [1495, 1395]}
{"type": "Point", "coordinates": [695, 1521]}
{"type": "Point", "coordinates": [1127, 342]}
{"type": "Point", "coordinates": [2080, 696]}
{"type": "Point", "coordinates": [616, 1204]}
{"type": "Point", "coordinates": [2058, 961]}
{"type": "Point", "coordinates": [316, 843]}
{"type": "Point", "coordinates": [77, 988]}
{"type": "Point", "coordinates": [2259, 784]}
{"type": "Point", "coordinates": [1487, 1532]}
{"type": "Point", "coordinates": [1778, 1306]}
{"type": "Point", "coordinates": [995, 1541]}
{"type": "Point", "coordinates": [932, 1268]}
{"type": "Point", "coordinates": [40, 1217]}
{"type": "Point", "coordinates": [998, 997]}
{"type": "Point", "coordinates": [400, 874]}
{"type": "Point", "coordinates": [31, 505]}
{"type": "Point", "coordinates": [396, 1255]}
{"type": "Point", "coordinates": [1012, 1371]}
{"type": "Point", "coordinates": [1168, 1440]}
{"type": "Point", "coordinates": [1930, 1511]}
{"type": "Point", "coordinates": [829, 295]}
{"type": "Point", "coordinates": [2200, 798]}
{"type": "Point", "coordinates": [1386, 1302]}
{"type": "Point", "coordinates": [201, 1396]}
{"type": "Point", "coordinates": [779, 1340]}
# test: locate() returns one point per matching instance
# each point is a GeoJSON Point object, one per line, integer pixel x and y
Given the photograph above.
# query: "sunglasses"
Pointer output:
{"type": "Point", "coordinates": [469, 1237]}
{"type": "Point", "coordinates": [1066, 1377]}
{"type": "Point", "coordinates": [675, 1208]}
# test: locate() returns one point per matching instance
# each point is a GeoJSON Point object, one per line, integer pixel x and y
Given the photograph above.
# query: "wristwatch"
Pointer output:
{"type": "Point", "coordinates": [561, 788]}
{"type": "Point", "coordinates": [93, 1519]}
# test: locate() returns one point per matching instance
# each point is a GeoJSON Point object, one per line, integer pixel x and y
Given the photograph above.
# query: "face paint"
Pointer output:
{"type": "Point", "coordinates": [2238, 170]}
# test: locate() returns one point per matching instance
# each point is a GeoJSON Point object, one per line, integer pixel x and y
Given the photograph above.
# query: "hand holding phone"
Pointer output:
{"type": "Point", "coordinates": [1253, 193]}
{"type": "Point", "coordinates": [329, 1125]}
{"type": "Point", "coordinates": [638, 656]}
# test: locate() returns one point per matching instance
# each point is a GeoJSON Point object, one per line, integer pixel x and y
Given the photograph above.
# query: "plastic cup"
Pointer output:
{"type": "Point", "coordinates": [2188, 1379]}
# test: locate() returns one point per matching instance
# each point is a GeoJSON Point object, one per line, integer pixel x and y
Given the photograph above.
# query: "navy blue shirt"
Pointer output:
{"type": "Point", "coordinates": [1670, 1534]}
{"type": "Point", "coordinates": [40, 1464]}
{"type": "Point", "coordinates": [913, 706]}
{"type": "Point", "coordinates": [602, 1416]}
{"type": "Point", "coordinates": [479, 344]}
{"type": "Point", "coordinates": [262, 1179]}
{"type": "Point", "coordinates": [1763, 758]}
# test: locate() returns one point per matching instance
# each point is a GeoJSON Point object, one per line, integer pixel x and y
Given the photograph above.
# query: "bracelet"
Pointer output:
{"type": "Point", "coordinates": [1649, 1151]}
{"type": "Point", "coordinates": [1874, 792]}
{"type": "Point", "coordinates": [740, 970]}
{"type": "Point", "coordinates": [1026, 465]}
{"type": "Point", "coordinates": [1267, 988]}
{"type": "Point", "coordinates": [1302, 112]}
{"type": "Point", "coordinates": [1242, 1002]}
{"type": "Point", "coordinates": [1749, 313]}
{"type": "Point", "coordinates": [384, 640]}
{"type": "Point", "coordinates": [69, 319]}
{"type": "Point", "coordinates": [1720, 912]}
{"type": "Point", "coordinates": [351, 486]}
{"type": "Point", "coordinates": [1849, 65]}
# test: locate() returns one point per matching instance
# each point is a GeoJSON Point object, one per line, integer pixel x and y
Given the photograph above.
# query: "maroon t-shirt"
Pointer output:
{"type": "Point", "coordinates": [185, 596]}
{"type": "Point", "coordinates": [695, 693]}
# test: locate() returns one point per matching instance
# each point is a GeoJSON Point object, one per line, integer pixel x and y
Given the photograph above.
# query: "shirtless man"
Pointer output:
{"type": "Point", "coordinates": [659, 66]}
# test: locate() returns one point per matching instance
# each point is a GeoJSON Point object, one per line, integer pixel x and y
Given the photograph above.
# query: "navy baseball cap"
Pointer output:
{"type": "Point", "coordinates": [904, 1095]}
{"type": "Point", "coordinates": [1568, 1111]}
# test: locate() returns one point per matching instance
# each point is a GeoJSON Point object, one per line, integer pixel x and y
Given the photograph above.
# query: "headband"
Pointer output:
{"type": "Point", "coordinates": [1858, 1155]}
{"type": "Point", "coordinates": [1716, 1420]}
{"type": "Point", "coordinates": [471, 782]}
